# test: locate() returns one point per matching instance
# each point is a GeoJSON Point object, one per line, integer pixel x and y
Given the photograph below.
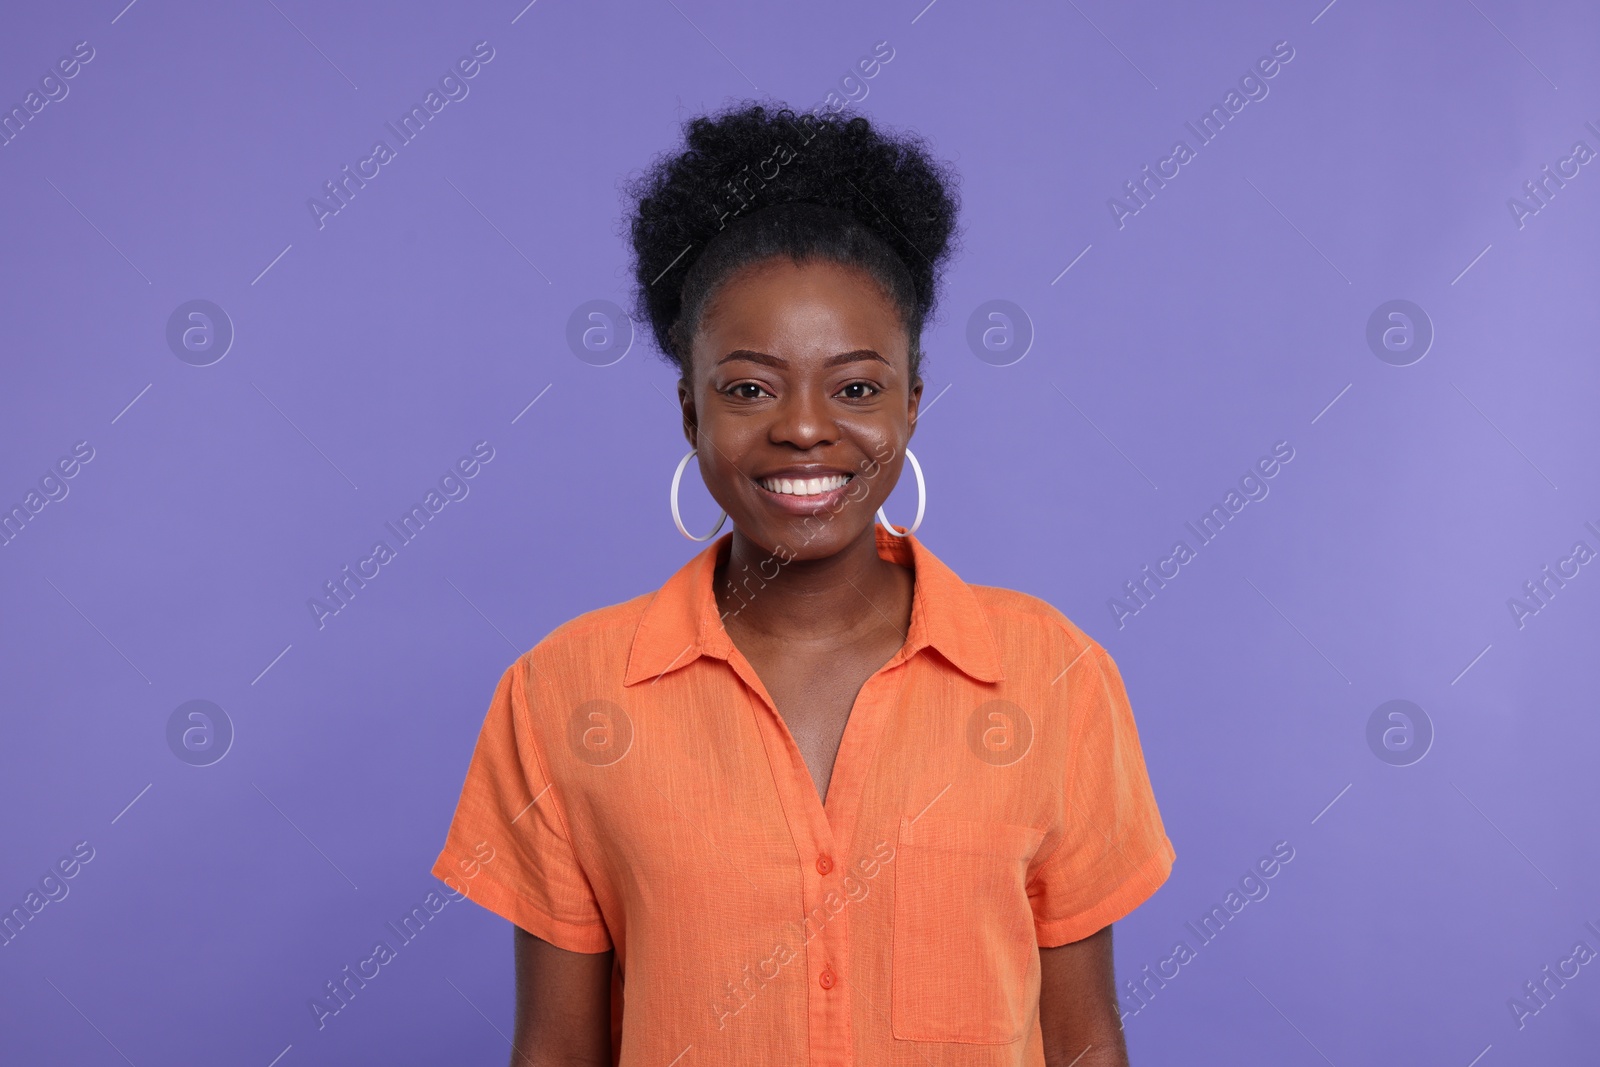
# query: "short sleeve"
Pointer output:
{"type": "Point", "coordinates": [508, 847]}
{"type": "Point", "coordinates": [1113, 852]}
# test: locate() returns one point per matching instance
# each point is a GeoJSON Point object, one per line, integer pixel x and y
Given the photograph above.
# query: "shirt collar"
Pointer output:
{"type": "Point", "coordinates": [682, 622]}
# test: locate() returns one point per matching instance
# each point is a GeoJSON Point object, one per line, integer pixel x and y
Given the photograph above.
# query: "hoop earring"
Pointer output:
{"type": "Point", "coordinates": [677, 519]}
{"type": "Point", "coordinates": [922, 501]}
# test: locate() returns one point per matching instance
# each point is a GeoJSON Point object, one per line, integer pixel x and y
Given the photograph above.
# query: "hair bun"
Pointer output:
{"type": "Point", "coordinates": [749, 157]}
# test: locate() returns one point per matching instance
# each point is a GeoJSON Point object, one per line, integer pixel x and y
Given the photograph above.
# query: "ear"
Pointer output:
{"type": "Point", "coordinates": [691, 419]}
{"type": "Point", "coordinates": [913, 406]}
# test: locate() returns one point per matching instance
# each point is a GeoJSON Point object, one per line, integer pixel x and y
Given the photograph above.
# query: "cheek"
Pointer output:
{"type": "Point", "coordinates": [882, 443]}
{"type": "Point", "coordinates": [720, 444]}
{"type": "Point", "coordinates": [712, 452]}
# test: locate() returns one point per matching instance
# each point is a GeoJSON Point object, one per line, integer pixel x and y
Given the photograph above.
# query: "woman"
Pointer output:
{"type": "Point", "coordinates": [816, 800]}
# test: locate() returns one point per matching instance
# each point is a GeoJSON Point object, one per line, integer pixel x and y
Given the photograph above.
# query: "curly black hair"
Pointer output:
{"type": "Point", "coordinates": [753, 182]}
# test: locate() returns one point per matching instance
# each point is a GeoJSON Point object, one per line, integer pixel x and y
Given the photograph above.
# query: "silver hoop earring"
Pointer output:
{"type": "Point", "coordinates": [922, 501]}
{"type": "Point", "coordinates": [677, 519]}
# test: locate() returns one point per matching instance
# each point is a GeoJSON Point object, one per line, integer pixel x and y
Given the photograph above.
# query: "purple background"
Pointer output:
{"type": "Point", "coordinates": [1228, 314]}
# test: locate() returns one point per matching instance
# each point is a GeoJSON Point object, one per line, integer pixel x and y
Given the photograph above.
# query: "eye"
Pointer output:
{"type": "Point", "coordinates": [746, 391]}
{"type": "Point", "coordinates": [859, 391]}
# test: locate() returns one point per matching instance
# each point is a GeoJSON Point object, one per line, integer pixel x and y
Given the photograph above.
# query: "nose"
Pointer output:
{"type": "Point", "coordinates": [803, 421]}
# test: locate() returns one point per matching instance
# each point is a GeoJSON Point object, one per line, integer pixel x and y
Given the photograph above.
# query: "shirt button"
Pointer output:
{"type": "Point", "coordinates": [826, 979]}
{"type": "Point", "coordinates": [824, 865]}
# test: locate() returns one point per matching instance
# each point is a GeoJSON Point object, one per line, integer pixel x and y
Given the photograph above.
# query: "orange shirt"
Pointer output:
{"type": "Point", "coordinates": [633, 788]}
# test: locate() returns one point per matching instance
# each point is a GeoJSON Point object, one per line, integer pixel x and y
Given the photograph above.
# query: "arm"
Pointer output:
{"type": "Point", "coordinates": [563, 1006]}
{"type": "Point", "coordinates": [1077, 1004]}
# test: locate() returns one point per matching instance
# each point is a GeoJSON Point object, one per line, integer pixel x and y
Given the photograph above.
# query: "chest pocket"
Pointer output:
{"type": "Point", "coordinates": [965, 959]}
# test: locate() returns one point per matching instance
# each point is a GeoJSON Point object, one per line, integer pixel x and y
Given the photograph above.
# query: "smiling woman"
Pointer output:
{"type": "Point", "coordinates": [679, 785]}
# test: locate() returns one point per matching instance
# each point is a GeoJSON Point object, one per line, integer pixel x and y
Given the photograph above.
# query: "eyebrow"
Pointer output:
{"type": "Point", "coordinates": [857, 356]}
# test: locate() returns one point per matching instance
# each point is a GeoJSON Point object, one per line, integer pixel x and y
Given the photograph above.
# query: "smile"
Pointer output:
{"type": "Point", "coordinates": [804, 486]}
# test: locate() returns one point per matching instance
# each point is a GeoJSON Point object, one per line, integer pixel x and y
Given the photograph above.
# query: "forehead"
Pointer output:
{"type": "Point", "coordinates": [814, 308]}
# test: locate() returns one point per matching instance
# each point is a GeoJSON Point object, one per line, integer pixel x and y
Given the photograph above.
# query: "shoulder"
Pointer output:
{"type": "Point", "coordinates": [591, 641]}
{"type": "Point", "coordinates": [1029, 628]}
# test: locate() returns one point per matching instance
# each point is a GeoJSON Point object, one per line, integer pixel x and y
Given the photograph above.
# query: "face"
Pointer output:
{"type": "Point", "coordinates": [800, 403]}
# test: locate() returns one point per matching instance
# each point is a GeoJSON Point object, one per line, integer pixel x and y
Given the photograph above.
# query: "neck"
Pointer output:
{"type": "Point", "coordinates": [818, 601]}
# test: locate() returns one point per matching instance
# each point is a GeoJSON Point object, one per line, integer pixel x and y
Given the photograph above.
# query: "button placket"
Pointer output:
{"type": "Point", "coordinates": [821, 829]}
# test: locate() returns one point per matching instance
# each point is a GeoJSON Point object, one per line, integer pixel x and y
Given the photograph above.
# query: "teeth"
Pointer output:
{"type": "Point", "coordinates": [804, 486]}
